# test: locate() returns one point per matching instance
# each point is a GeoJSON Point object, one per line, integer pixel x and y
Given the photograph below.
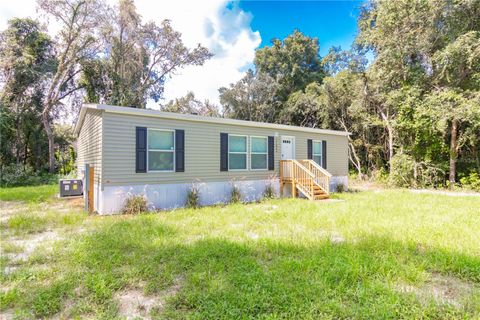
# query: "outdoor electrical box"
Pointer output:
{"type": "Point", "coordinates": [71, 187]}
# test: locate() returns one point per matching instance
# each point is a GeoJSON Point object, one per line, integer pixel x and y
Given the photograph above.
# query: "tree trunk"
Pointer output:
{"type": "Point", "coordinates": [453, 151]}
{"type": "Point", "coordinates": [18, 144]}
{"type": "Point", "coordinates": [390, 145]}
{"type": "Point", "coordinates": [25, 150]}
{"type": "Point", "coordinates": [389, 128]}
{"type": "Point", "coordinates": [356, 162]}
{"type": "Point", "coordinates": [51, 150]}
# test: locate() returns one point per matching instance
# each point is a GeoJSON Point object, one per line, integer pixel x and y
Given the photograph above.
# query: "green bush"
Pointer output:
{"type": "Point", "coordinates": [401, 174]}
{"type": "Point", "coordinates": [135, 205]}
{"type": "Point", "coordinates": [17, 176]}
{"type": "Point", "coordinates": [472, 181]}
{"type": "Point", "coordinates": [406, 172]}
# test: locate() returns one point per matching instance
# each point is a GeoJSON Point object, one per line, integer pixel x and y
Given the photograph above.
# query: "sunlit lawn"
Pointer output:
{"type": "Point", "coordinates": [286, 258]}
{"type": "Point", "coordinates": [33, 194]}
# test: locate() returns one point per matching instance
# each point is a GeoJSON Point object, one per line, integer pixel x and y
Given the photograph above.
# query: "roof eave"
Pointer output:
{"type": "Point", "coordinates": [189, 117]}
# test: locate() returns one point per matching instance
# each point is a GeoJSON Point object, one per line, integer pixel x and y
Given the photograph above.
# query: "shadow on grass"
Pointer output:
{"type": "Point", "coordinates": [261, 279]}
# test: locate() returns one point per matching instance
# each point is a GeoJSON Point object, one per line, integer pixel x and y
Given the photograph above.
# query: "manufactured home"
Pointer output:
{"type": "Point", "coordinates": [126, 151]}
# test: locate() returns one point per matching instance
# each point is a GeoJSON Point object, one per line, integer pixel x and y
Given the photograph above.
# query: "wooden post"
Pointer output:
{"type": "Point", "coordinates": [281, 178]}
{"type": "Point", "coordinates": [86, 185]}
{"type": "Point", "coordinates": [294, 176]}
{"type": "Point", "coordinates": [311, 188]}
{"type": "Point", "coordinates": [90, 189]}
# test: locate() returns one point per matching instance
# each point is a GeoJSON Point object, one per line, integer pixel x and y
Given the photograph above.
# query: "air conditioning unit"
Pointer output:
{"type": "Point", "coordinates": [71, 187]}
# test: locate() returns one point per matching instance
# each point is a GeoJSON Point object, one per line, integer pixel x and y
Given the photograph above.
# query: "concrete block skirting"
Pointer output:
{"type": "Point", "coordinates": [111, 199]}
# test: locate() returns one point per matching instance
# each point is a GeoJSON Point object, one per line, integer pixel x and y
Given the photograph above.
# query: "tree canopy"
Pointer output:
{"type": "Point", "coordinates": [412, 111]}
{"type": "Point", "coordinates": [408, 90]}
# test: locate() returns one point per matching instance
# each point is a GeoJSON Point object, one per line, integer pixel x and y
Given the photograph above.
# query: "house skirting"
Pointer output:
{"type": "Point", "coordinates": [111, 199]}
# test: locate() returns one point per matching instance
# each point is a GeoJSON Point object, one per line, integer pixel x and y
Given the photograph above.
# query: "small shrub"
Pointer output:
{"type": "Point", "coordinates": [401, 174]}
{"type": "Point", "coordinates": [235, 195]}
{"type": "Point", "coordinates": [340, 188]}
{"type": "Point", "coordinates": [406, 173]}
{"type": "Point", "coordinates": [471, 181]}
{"type": "Point", "coordinates": [135, 205]}
{"type": "Point", "coordinates": [269, 192]}
{"type": "Point", "coordinates": [193, 197]}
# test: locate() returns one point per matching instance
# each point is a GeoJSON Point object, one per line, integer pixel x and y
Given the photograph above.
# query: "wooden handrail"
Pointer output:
{"type": "Point", "coordinates": [322, 176]}
{"type": "Point", "coordinates": [316, 166]}
{"type": "Point", "coordinates": [305, 175]}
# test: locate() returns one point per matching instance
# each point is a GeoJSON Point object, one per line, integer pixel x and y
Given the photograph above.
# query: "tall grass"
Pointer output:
{"type": "Point", "coordinates": [32, 194]}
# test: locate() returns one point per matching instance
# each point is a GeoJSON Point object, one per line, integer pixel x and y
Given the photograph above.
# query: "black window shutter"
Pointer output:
{"type": "Point", "coordinates": [179, 150]}
{"type": "Point", "coordinates": [309, 149]}
{"type": "Point", "coordinates": [324, 154]}
{"type": "Point", "coordinates": [141, 150]}
{"type": "Point", "coordinates": [223, 151]}
{"type": "Point", "coordinates": [271, 153]}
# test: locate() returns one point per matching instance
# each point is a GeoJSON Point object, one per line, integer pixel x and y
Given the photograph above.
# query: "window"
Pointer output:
{"type": "Point", "coordinates": [317, 152]}
{"type": "Point", "coordinates": [161, 150]}
{"type": "Point", "coordinates": [237, 152]}
{"type": "Point", "coordinates": [258, 153]}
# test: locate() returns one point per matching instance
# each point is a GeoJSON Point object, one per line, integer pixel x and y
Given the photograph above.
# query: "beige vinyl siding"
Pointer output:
{"type": "Point", "coordinates": [202, 150]}
{"type": "Point", "coordinates": [89, 146]}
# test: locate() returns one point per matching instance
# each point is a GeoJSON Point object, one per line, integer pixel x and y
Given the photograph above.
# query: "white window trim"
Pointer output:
{"type": "Point", "coordinates": [173, 151]}
{"type": "Point", "coordinates": [252, 153]}
{"type": "Point", "coordinates": [317, 154]}
{"type": "Point", "coordinates": [234, 152]}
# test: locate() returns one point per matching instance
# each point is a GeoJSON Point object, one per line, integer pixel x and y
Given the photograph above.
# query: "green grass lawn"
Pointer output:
{"type": "Point", "coordinates": [373, 255]}
{"type": "Point", "coordinates": [33, 194]}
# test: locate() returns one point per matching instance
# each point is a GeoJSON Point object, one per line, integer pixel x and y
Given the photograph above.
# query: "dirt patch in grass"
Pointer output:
{"type": "Point", "coordinates": [337, 238]}
{"type": "Point", "coordinates": [30, 244]}
{"type": "Point", "coordinates": [134, 304]}
{"type": "Point", "coordinates": [442, 289]}
{"type": "Point", "coordinates": [6, 314]}
{"type": "Point", "coordinates": [10, 208]}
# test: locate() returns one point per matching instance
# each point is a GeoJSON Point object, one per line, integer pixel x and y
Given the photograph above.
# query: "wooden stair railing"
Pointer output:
{"type": "Point", "coordinates": [305, 180]}
{"type": "Point", "coordinates": [322, 176]}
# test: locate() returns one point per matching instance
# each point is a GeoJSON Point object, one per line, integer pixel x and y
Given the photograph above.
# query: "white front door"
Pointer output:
{"type": "Point", "coordinates": [288, 148]}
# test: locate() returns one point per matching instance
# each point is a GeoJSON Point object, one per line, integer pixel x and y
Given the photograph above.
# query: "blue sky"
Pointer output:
{"type": "Point", "coordinates": [334, 23]}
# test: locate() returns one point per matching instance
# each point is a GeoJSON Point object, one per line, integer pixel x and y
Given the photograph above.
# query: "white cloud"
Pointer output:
{"type": "Point", "coordinates": [18, 8]}
{"type": "Point", "coordinates": [219, 25]}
